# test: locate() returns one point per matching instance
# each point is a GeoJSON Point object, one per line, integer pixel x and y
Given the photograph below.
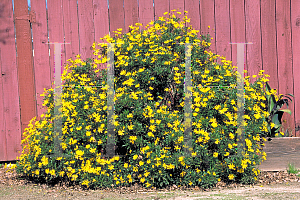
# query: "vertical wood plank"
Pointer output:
{"type": "Point", "coordinates": [160, 7]}
{"type": "Point", "coordinates": [70, 24]}
{"type": "Point", "coordinates": [284, 49]}
{"type": "Point", "coordinates": [146, 12]}
{"type": "Point", "coordinates": [295, 17]}
{"type": "Point", "coordinates": [71, 28]}
{"type": "Point", "coordinates": [253, 51]}
{"type": "Point", "coordinates": [101, 19]}
{"type": "Point", "coordinates": [3, 150]}
{"type": "Point", "coordinates": [41, 52]}
{"type": "Point", "coordinates": [207, 13]}
{"type": "Point", "coordinates": [3, 41]}
{"type": "Point", "coordinates": [101, 22]}
{"type": "Point", "coordinates": [56, 34]}
{"type": "Point", "coordinates": [268, 30]}
{"type": "Point", "coordinates": [25, 75]}
{"type": "Point", "coordinates": [223, 28]}
{"type": "Point", "coordinates": [86, 28]}
{"type": "Point", "coordinates": [177, 5]}
{"type": "Point", "coordinates": [116, 15]}
{"type": "Point", "coordinates": [131, 14]}
{"type": "Point", "coordinates": [193, 9]}
{"type": "Point", "coordinates": [237, 21]}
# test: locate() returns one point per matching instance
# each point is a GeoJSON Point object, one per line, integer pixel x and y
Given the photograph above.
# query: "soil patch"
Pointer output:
{"type": "Point", "coordinates": [270, 185]}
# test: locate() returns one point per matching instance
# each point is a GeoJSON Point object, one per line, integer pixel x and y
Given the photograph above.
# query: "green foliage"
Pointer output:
{"type": "Point", "coordinates": [149, 116]}
{"type": "Point", "coordinates": [274, 105]}
{"type": "Point", "coordinates": [292, 169]}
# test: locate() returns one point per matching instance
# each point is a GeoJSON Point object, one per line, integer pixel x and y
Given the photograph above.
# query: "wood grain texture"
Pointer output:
{"type": "Point", "coordinates": [131, 14]}
{"type": "Point", "coordinates": [71, 28]}
{"type": "Point", "coordinates": [101, 22]}
{"type": "Point", "coordinates": [193, 9]}
{"type": "Point", "coordinates": [55, 29]}
{"type": "Point", "coordinates": [268, 31]}
{"type": "Point", "coordinates": [223, 47]}
{"type": "Point", "coordinates": [285, 57]}
{"type": "Point", "coordinates": [237, 24]}
{"type": "Point", "coordinates": [41, 50]}
{"type": "Point", "coordinates": [295, 17]}
{"type": "Point", "coordinates": [160, 7]}
{"type": "Point", "coordinates": [207, 13]}
{"type": "Point", "coordinates": [70, 24]}
{"type": "Point", "coordinates": [86, 28]}
{"type": "Point", "coordinates": [3, 145]}
{"type": "Point", "coordinates": [280, 152]}
{"type": "Point", "coordinates": [26, 95]}
{"type": "Point", "coordinates": [253, 34]}
{"type": "Point", "coordinates": [146, 12]}
{"type": "Point", "coordinates": [116, 15]}
{"type": "Point", "coordinates": [177, 5]}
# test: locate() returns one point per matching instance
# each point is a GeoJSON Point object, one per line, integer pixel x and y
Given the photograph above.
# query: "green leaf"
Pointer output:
{"type": "Point", "coordinates": [271, 103]}
{"type": "Point", "coordinates": [268, 87]}
{"type": "Point", "coordinates": [277, 126]}
{"type": "Point", "coordinates": [287, 111]}
{"type": "Point", "coordinates": [276, 119]}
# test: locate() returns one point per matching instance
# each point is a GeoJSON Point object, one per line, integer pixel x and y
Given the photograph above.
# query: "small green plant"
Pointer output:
{"type": "Point", "coordinates": [274, 108]}
{"type": "Point", "coordinates": [292, 169]}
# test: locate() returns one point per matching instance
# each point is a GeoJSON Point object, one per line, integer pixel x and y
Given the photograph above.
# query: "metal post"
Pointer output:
{"type": "Point", "coordinates": [188, 101]}
{"type": "Point", "coordinates": [240, 98]}
{"type": "Point", "coordinates": [57, 123]}
{"type": "Point", "coordinates": [110, 147]}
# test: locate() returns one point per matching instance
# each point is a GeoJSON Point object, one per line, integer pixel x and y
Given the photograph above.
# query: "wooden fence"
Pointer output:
{"type": "Point", "coordinates": [273, 26]}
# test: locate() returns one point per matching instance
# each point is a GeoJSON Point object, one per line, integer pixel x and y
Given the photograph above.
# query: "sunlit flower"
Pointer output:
{"type": "Point", "coordinates": [231, 166]}
{"type": "Point", "coordinates": [44, 160]}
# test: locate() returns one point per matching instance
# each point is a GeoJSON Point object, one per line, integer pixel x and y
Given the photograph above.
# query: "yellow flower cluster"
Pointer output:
{"type": "Point", "coordinates": [149, 118]}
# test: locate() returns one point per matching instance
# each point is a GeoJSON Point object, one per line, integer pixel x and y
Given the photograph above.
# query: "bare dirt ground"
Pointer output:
{"type": "Point", "coordinates": [270, 185]}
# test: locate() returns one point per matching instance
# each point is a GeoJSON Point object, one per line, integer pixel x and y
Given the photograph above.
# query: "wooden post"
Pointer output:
{"type": "Point", "coordinates": [10, 125]}
{"type": "Point", "coordinates": [25, 63]}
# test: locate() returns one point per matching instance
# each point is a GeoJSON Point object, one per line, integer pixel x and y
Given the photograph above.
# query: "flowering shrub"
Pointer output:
{"type": "Point", "coordinates": [149, 114]}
